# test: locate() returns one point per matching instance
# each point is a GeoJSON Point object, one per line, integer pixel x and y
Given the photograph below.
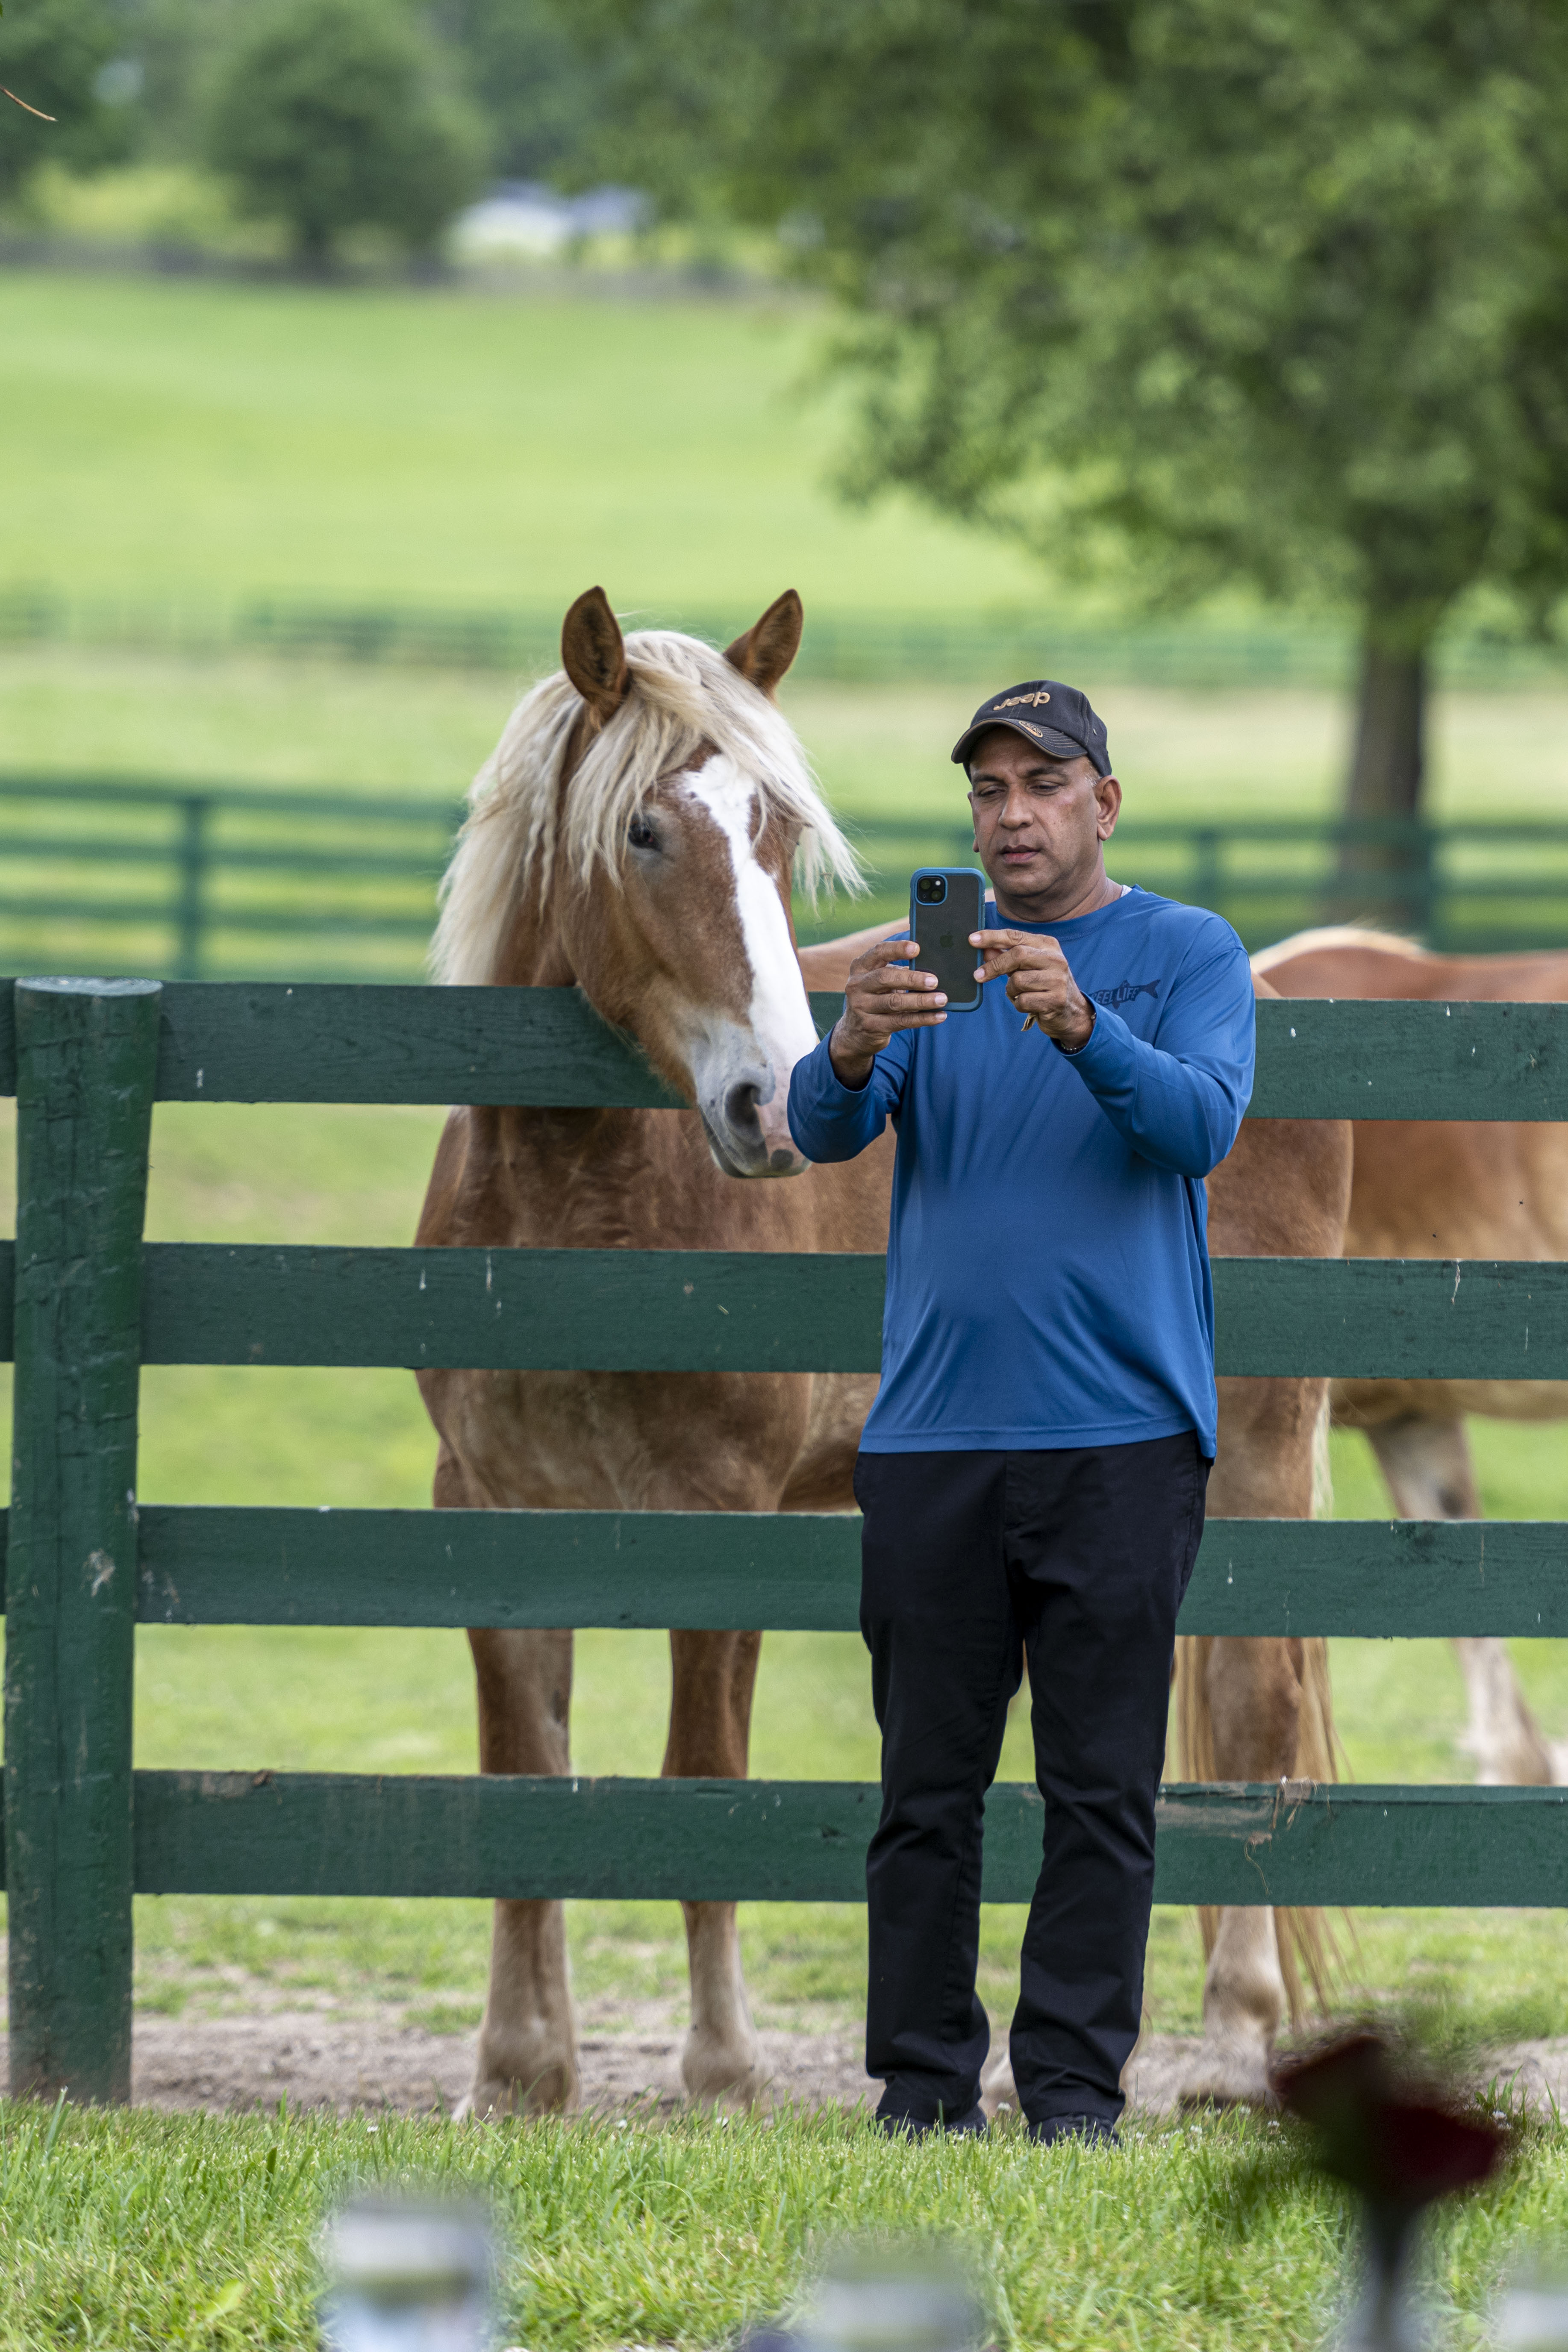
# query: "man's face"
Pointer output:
{"type": "Point", "coordinates": [1038, 819]}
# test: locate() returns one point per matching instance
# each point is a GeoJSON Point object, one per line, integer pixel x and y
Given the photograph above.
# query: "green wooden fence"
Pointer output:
{"type": "Point", "coordinates": [196, 880]}
{"type": "Point", "coordinates": [89, 1302]}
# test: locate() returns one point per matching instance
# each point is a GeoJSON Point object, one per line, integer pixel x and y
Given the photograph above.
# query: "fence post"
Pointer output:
{"type": "Point", "coordinates": [190, 914]}
{"type": "Point", "coordinates": [86, 1061]}
{"type": "Point", "coordinates": [1208, 854]}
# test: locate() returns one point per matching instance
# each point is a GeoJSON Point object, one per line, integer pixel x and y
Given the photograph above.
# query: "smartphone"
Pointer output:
{"type": "Point", "coordinates": [946, 903]}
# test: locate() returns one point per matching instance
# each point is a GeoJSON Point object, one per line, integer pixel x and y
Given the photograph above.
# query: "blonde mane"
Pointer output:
{"type": "Point", "coordinates": [522, 830]}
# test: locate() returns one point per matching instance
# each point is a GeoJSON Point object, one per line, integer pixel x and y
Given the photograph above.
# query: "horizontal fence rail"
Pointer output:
{"type": "Point", "coordinates": [217, 1564]}
{"type": "Point", "coordinates": [415, 1835]}
{"type": "Point", "coordinates": [181, 876]}
{"type": "Point", "coordinates": [192, 879]}
{"type": "Point", "coordinates": [757, 1311]}
{"type": "Point", "coordinates": [90, 1059]}
{"type": "Point", "coordinates": [546, 1047]}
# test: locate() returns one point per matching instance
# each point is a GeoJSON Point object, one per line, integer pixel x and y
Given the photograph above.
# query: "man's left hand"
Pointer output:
{"type": "Point", "coordinates": [1039, 982]}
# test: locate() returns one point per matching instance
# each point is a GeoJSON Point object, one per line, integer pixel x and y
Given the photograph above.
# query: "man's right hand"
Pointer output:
{"type": "Point", "coordinates": [881, 996]}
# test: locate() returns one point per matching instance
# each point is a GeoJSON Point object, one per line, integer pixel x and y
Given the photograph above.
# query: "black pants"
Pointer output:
{"type": "Point", "coordinates": [968, 1559]}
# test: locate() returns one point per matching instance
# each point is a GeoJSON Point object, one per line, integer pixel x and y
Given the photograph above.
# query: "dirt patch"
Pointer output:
{"type": "Point", "coordinates": [374, 2063]}
{"type": "Point", "coordinates": [370, 2063]}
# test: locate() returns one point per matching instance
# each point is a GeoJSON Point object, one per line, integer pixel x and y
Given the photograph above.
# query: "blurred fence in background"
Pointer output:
{"type": "Point", "coordinates": [219, 882]}
{"type": "Point", "coordinates": [848, 647]}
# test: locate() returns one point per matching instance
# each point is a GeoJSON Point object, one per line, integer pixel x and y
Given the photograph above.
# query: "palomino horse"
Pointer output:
{"type": "Point", "coordinates": [1428, 1188]}
{"type": "Point", "coordinates": [634, 835]}
{"type": "Point", "coordinates": [1444, 1189]}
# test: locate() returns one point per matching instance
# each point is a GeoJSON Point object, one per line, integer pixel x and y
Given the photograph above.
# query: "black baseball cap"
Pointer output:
{"type": "Point", "coordinates": [1058, 718]}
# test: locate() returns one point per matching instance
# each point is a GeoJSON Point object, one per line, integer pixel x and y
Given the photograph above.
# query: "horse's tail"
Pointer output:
{"type": "Point", "coordinates": [1308, 1947]}
{"type": "Point", "coordinates": [1310, 1952]}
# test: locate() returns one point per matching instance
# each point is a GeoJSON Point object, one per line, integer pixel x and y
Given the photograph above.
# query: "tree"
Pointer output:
{"type": "Point", "coordinates": [336, 114]}
{"type": "Point", "coordinates": [1261, 290]}
{"type": "Point", "coordinates": [538, 88]}
{"type": "Point", "coordinates": [51, 55]}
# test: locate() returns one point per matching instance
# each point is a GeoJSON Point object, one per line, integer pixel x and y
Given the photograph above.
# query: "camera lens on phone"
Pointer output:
{"type": "Point", "coordinates": [930, 889]}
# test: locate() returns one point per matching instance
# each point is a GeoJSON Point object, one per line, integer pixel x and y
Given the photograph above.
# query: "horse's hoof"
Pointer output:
{"type": "Point", "coordinates": [714, 2077]}
{"type": "Point", "coordinates": [552, 2091]}
{"type": "Point", "coordinates": [1227, 2074]}
{"type": "Point", "coordinates": [998, 2092]}
{"type": "Point", "coordinates": [486, 2103]}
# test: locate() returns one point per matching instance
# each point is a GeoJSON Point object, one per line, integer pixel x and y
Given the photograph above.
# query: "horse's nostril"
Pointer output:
{"type": "Point", "coordinates": [741, 1105]}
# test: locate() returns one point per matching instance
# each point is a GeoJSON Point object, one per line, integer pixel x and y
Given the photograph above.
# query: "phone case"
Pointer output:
{"type": "Point", "coordinates": [941, 931]}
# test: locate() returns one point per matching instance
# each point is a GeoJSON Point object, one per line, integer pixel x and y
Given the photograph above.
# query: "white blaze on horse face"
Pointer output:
{"type": "Point", "coordinates": [743, 1077]}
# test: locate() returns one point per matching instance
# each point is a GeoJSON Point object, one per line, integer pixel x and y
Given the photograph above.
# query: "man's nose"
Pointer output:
{"type": "Point", "coordinates": [1017, 809]}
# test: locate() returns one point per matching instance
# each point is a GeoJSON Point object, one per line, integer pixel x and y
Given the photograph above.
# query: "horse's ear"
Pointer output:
{"type": "Point", "coordinates": [593, 654]}
{"type": "Point", "coordinates": [767, 649]}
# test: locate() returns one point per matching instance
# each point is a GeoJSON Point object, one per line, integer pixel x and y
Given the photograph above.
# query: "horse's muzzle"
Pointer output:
{"type": "Point", "coordinates": [746, 1134]}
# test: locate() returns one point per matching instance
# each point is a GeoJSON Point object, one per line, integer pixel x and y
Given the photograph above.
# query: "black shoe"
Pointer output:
{"type": "Point", "coordinates": [1093, 2130]}
{"type": "Point", "coordinates": [902, 2126]}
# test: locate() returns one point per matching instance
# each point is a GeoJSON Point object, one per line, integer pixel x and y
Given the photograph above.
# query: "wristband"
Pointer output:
{"type": "Point", "coordinates": [1068, 1052]}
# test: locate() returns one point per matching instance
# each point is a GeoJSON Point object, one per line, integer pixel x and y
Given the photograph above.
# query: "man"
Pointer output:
{"type": "Point", "coordinates": [1032, 1474]}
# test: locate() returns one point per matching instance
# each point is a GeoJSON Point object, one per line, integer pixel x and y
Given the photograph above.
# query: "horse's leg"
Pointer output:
{"type": "Point", "coordinates": [1427, 1467]}
{"type": "Point", "coordinates": [527, 2058]}
{"type": "Point", "coordinates": [713, 1675]}
{"type": "Point", "coordinates": [1240, 1717]}
{"type": "Point", "coordinates": [1249, 1689]}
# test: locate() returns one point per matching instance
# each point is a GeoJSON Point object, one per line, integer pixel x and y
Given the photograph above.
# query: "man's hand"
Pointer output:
{"type": "Point", "coordinates": [881, 997]}
{"type": "Point", "coordinates": [1039, 982]}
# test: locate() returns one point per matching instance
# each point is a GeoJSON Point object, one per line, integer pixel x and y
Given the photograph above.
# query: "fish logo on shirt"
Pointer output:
{"type": "Point", "coordinates": [1124, 992]}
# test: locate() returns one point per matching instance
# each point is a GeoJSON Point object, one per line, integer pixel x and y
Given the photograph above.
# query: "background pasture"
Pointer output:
{"type": "Point", "coordinates": [188, 442]}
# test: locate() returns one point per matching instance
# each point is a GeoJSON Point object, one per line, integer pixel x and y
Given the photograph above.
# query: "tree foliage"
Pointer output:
{"type": "Point", "coordinates": [539, 89]}
{"type": "Point", "coordinates": [1262, 290]}
{"type": "Point", "coordinates": [336, 114]}
{"type": "Point", "coordinates": [51, 54]}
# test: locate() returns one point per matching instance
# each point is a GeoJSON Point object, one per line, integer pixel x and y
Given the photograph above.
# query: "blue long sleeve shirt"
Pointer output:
{"type": "Point", "coordinates": [1047, 1263]}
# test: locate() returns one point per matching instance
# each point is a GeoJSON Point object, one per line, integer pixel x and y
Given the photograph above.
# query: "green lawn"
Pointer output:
{"type": "Point", "coordinates": [881, 751]}
{"type": "Point", "coordinates": [139, 2231]}
{"type": "Point", "coordinates": [173, 440]}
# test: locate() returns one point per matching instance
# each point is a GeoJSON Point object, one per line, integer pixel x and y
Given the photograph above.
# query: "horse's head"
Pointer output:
{"type": "Point", "coordinates": [671, 804]}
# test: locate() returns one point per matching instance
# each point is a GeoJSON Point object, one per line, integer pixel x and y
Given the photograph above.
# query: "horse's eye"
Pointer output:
{"type": "Point", "coordinates": [641, 835]}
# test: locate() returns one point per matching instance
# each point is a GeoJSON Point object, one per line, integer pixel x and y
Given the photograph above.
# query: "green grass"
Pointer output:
{"type": "Point", "coordinates": [137, 2231]}
{"type": "Point", "coordinates": [881, 751]}
{"type": "Point", "coordinates": [183, 439]}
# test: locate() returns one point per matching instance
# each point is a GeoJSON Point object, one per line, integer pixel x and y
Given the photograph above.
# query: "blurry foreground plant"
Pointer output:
{"type": "Point", "coordinates": [334, 115]}
{"type": "Point", "coordinates": [407, 2275]}
{"type": "Point", "coordinates": [1400, 2146]}
{"type": "Point", "coordinates": [872, 2296]}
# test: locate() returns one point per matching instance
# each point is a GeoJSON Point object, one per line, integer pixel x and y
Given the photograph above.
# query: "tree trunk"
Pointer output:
{"type": "Point", "coordinates": [1385, 867]}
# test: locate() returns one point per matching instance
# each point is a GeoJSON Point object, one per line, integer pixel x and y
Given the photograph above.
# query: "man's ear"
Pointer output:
{"type": "Point", "coordinates": [769, 647]}
{"type": "Point", "coordinates": [593, 654]}
{"type": "Point", "coordinates": [1109, 806]}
